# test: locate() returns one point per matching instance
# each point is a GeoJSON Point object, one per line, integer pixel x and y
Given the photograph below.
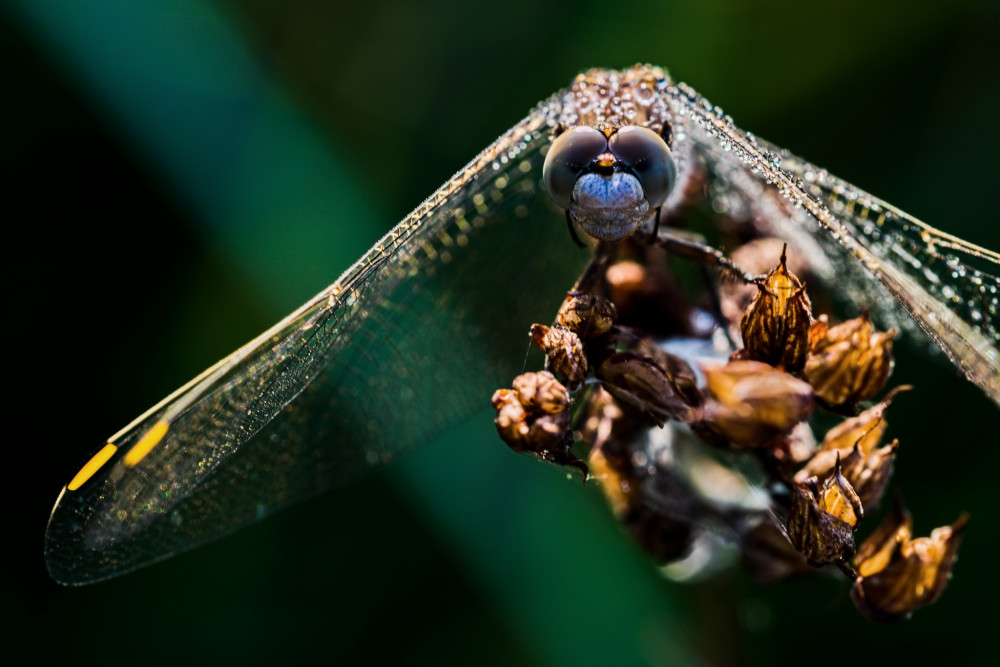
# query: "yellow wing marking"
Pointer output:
{"type": "Point", "coordinates": [146, 443]}
{"type": "Point", "coordinates": [92, 466]}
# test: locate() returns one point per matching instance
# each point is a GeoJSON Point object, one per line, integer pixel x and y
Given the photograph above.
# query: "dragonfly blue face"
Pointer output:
{"type": "Point", "coordinates": [369, 368]}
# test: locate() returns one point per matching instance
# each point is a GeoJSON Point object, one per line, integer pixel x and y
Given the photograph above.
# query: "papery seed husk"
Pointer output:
{"type": "Point", "coordinates": [838, 498]}
{"type": "Point", "coordinates": [870, 476]}
{"type": "Point", "coordinates": [754, 402]}
{"type": "Point", "coordinates": [541, 391]}
{"type": "Point", "coordinates": [819, 536]}
{"type": "Point", "coordinates": [775, 327]}
{"type": "Point", "coordinates": [564, 350]}
{"type": "Point", "coordinates": [874, 553]}
{"type": "Point", "coordinates": [587, 315]}
{"type": "Point", "coordinates": [533, 417]}
{"type": "Point", "coordinates": [865, 429]}
{"type": "Point", "coordinates": [756, 257]}
{"type": "Point", "coordinates": [850, 363]}
{"type": "Point", "coordinates": [914, 574]}
{"type": "Point", "coordinates": [638, 381]}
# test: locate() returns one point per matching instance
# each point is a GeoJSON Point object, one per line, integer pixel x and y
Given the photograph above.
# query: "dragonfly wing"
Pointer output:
{"type": "Point", "coordinates": [411, 339]}
{"type": "Point", "coordinates": [950, 288]}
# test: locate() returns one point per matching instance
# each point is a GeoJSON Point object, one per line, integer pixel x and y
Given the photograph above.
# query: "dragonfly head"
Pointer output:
{"type": "Point", "coordinates": [609, 182]}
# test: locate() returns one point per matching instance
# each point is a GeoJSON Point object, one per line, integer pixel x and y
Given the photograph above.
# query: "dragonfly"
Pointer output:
{"type": "Point", "coordinates": [415, 336]}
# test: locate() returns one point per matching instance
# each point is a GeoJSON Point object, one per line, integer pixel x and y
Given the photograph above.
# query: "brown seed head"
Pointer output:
{"type": "Point", "coordinates": [775, 326]}
{"type": "Point", "coordinates": [564, 350]}
{"type": "Point", "coordinates": [754, 402]}
{"type": "Point", "coordinates": [865, 429]}
{"type": "Point", "coordinates": [855, 442]}
{"type": "Point", "coordinates": [850, 362]}
{"type": "Point", "coordinates": [755, 257]}
{"type": "Point", "coordinates": [639, 381]}
{"type": "Point", "coordinates": [541, 393]}
{"type": "Point", "coordinates": [821, 520]}
{"type": "Point", "coordinates": [875, 553]}
{"type": "Point", "coordinates": [682, 377]}
{"type": "Point", "coordinates": [527, 430]}
{"type": "Point", "coordinates": [837, 497]}
{"type": "Point", "coordinates": [868, 474]}
{"type": "Point", "coordinates": [587, 315]}
{"type": "Point", "coordinates": [898, 574]}
{"type": "Point", "coordinates": [534, 418]}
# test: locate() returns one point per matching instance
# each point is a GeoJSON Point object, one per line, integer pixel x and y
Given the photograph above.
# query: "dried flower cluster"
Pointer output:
{"type": "Point", "coordinates": [610, 383]}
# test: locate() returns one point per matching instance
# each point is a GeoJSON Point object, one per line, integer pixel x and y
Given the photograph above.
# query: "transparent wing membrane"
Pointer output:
{"type": "Point", "coordinates": [411, 339]}
{"type": "Point", "coordinates": [949, 288]}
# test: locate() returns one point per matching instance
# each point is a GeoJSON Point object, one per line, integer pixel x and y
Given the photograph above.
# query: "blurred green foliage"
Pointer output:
{"type": "Point", "coordinates": [183, 173]}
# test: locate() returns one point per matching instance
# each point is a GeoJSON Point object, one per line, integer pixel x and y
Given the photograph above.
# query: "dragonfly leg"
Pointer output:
{"type": "Point", "coordinates": [716, 303]}
{"type": "Point", "coordinates": [572, 231]}
{"type": "Point", "coordinates": [684, 245]}
{"type": "Point", "coordinates": [690, 248]}
{"type": "Point", "coordinates": [656, 226]}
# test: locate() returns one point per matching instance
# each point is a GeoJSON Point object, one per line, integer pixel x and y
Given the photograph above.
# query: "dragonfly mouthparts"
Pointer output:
{"type": "Point", "coordinates": [609, 207]}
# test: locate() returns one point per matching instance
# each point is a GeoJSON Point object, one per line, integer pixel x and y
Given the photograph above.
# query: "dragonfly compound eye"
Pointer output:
{"type": "Point", "coordinates": [571, 154]}
{"type": "Point", "coordinates": [644, 153]}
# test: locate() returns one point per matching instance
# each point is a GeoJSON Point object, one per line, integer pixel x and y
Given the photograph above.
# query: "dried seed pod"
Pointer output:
{"type": "Point", "coordinates": [754, 402]}
{"type": "Point", "coordinates": [563, 349]}
{"type": "Point", "coordinates": [756, 257]}
{"type": "Point", "coordinates": [587, 315]}
{"type": "Point", "coordinates": [855, 443]}
{"type": "Point", "coordinates": [682, 377]}
{"type": "Point", "coordinates": [775, 326]}
{"type": "Point", "coordinates": [875, 552]}
{"type": "Point", "coordinates": [849, 362]}
{"type": "Point", "coordinates": [822, 519]}
{"type": "Point", "coordinates": [788, 452]}
{"type": "Point", "coordinates": [541, 392]}
{"type": "Point", "coordinates": [524, 431]}
{"type": "Point", "coordinates": [870, 477]}
{"type": "Point", "coordinates": [534, 417]}
{"type": "Point", "coordinates": [865, 429]}
{"type": "Point", "coordinates": [838, 498]}
{"type": "Point", "coordinates": [639, 381]}
{"type": "Point", "coordinates": [818, 330]}
{"type": "Point", "coordinates": [898, 574]}
{"type": "Point", "coordinates": [870, 474]}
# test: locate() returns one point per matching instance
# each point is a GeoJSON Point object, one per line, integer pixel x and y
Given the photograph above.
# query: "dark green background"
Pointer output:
{"type": "Point", "coordinates": [150, 233]}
